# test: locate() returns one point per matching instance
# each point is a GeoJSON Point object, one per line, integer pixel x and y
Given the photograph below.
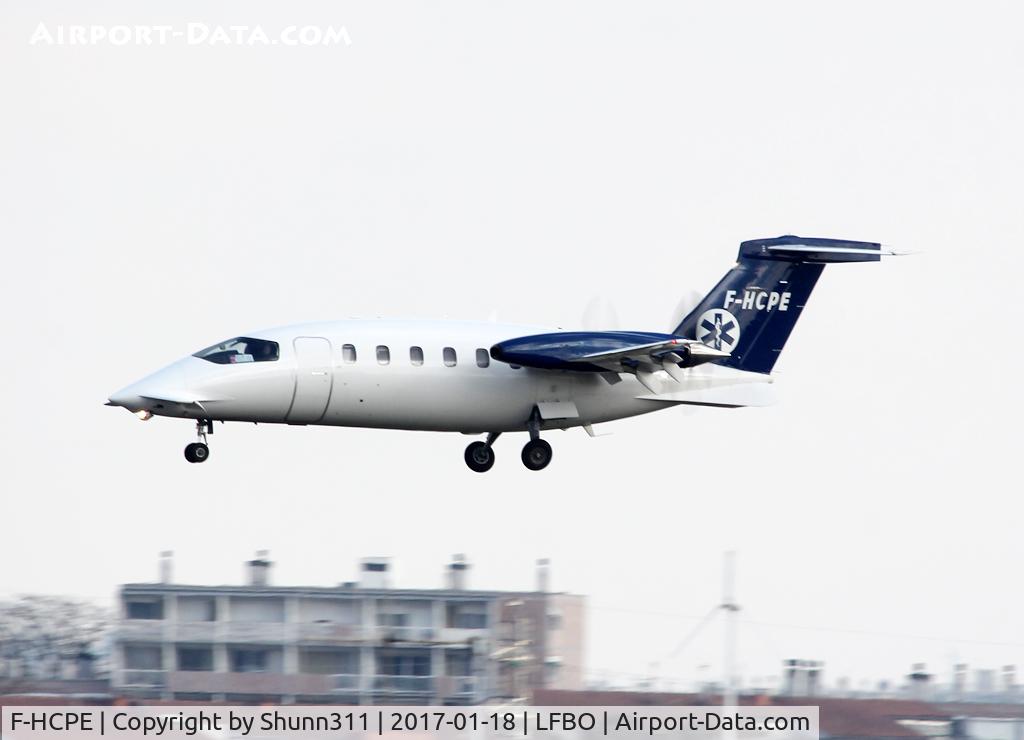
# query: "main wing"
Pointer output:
{"type": "Point", "coordinates": [660, 363]}
{"type": "Point", "coordinates": [604, 351]}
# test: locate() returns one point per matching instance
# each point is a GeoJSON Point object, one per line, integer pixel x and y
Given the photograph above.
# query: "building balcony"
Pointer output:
{"type": "Point", "coordinates": [406, 634]}
{"type": "Point", "coordinates": [458, 686]}
{"type": "Point", "coordinates": [256, 632]}
{"type": "Point", "coordinates": [195, 631]}
{"type": "Point", "coordinates": [346, 682]}
{"type": "Point", "coordinates": [404, 684]}
{"type": "Point", "coordinates": [460, 635]}
{"type": "Point", "coordinates": [142, 679]}
{"type": "Point", "coordinates": [329, 633]}
{"type": "Point", "coordinates": [140, 630]}
{"type": "Point", "coordinates": [217, 682]}
{"type": "Point", "coordinates": [262, 683]}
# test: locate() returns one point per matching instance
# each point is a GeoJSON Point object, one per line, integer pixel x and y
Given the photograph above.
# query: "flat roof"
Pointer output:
{"type": "Point", "coordinates": [350, 591]}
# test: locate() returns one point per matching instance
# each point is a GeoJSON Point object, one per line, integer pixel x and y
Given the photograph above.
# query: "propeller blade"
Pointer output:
{"type": "Point", "coordinates": [600, 315]}
{"type": "Point", "coordinates": [689, 301]}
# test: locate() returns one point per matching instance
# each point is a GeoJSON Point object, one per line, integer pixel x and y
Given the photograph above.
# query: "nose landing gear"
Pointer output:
{"type": "Point", "coordinates": [198, 452]}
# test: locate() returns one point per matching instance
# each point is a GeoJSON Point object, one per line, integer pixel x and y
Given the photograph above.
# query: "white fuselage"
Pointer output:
{"type": "Point", "coordinates": [318, 380]}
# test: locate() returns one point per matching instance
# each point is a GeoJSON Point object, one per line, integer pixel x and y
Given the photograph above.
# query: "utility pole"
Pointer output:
{"type": "Point", "coordinates": [730, 607]}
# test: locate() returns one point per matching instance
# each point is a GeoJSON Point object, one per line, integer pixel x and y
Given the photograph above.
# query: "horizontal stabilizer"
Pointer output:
{"type": "Point", "coordinates": [815, 250]}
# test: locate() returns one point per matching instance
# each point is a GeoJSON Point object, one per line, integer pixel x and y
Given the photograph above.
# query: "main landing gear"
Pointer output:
{"type": "Point", "coordinates": [480, 455]}
{"type": "Point", "coordinates": [198, 452]}
{"type": "Point", "coordinates": [536, 453]}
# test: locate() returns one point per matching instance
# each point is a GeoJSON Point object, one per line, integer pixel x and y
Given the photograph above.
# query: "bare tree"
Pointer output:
{"type": "Point", "coordinates": [50, 637]}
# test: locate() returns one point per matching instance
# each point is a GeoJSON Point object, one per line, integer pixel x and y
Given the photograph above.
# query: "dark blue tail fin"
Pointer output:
{"type": "Point", "coordinates": [753, 309]}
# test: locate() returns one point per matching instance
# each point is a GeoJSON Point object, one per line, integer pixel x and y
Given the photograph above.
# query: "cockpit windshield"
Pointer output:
{"type": "Point", "coordinates": [240, 349]}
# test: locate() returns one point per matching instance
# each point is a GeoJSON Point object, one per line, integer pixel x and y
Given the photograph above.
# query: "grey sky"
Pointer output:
{"type": "Point", "coordinates": [461, 159]}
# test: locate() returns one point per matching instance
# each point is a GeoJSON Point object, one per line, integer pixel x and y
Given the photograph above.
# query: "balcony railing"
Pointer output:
{"type": "Point", "coordinates": [407, 634]}
{"type": "Point", "coordinates": [270, 632]}
{"type": "Point", "coordinates": [463, 684]}
{"type": "Point", "coordinates": [210, 681]}
{"type": "Point", "coordinates": [404, 684]}
{"type": "Point", "coordinates": [346, 682]}
{"type": "Point", "coordinates": [329, 632]}
{"type": "Point", "coordinates": [143, 678]}
{"type": "Point", "coordinates": [141, 630]}
{"type": "Point", "coordinates": [195, 631]}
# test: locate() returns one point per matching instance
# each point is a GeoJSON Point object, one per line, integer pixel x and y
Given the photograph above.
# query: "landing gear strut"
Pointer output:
{"type": "Point", "coordinates": [536, 453]}
{"type": "Point", "coordinates": [480, 455]}
{"type": "Point", "coordinates": [198, 452]}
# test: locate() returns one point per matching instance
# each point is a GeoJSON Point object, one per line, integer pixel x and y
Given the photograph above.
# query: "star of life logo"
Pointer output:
{"type": "Point", "coordinates": [718, 329]}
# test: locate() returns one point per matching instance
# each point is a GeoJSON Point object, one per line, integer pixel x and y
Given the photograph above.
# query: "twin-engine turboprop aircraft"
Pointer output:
{"type": "Point", "coordinates": [489, 378]}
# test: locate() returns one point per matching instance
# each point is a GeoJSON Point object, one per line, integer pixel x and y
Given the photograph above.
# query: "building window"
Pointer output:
{"type": "Point", "coordinates": [195, 659]}
{"type": "Point", "coordinates": [483, 358]}
{"type": "Point", "coordinates": [470, 621]}
{"type": "Point", "coordinates": [403, 664]}
{"type": "Point", "coordinates": [148, 609]}
{"type": "Point", "coordinates": [458, 663]}
{"type": "Point", "coordinates": [248, 661]}
{"type": "Point", "coordinates": [385, 619]}
{"type": "Point", "coordinates": [383, 354]}
{"type": "Point", "coordinates": [348, 353]}
{"type": "Point", "coordinates": [450, 358]}
{"type": "Point", "coordinates": [143, 657]}
{"type": "Point", "coordinates": [463, 615]}
{"type": "Point", "coordinates": [196, 609]}
{"type": "Point", "coordinates": [416, 355]}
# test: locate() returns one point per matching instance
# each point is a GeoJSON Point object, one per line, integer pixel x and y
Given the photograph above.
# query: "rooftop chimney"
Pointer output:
{"type": "Point", "coordinates": [543, 575]}
{"type": "Point", "coordinates": [456, 574]}
{"type": "Point", "coordinates": [801, 677]}
{"type": "Point", "coordinates": [1010, 679]}
{"type": "Point", "coordinates": [375, 573]}
{"type": "Point", "coordinates": [259, 569]}
{"type": "Point", "coordinates": [166, 566]}
{"type": "Point", "coordinates": [959, 680]}
{"type": "Point", "coordinates": [919, 680]}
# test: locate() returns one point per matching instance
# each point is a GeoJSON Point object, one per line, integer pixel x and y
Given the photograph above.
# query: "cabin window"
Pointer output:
{"type": "Point", "coordinates": [383, 354]}
{"type": "Point", "coordinates": [483, 358]}
{"type": "Point", "coordinates": [416, 355]}
{"type": "Point", "coordinates": [239, 350]}
{"type": "Point", "coordinates": [348, 353]}
{"type": "Point", "coordinates": [450, 358]}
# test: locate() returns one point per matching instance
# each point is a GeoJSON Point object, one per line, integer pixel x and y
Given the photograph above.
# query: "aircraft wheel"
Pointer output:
{"type": "Point", "coordinates": [537, 454]}
{"type": "Point", "coordinates": [479, 457]}
{"type": "Point", "coordinates": [197, 452]}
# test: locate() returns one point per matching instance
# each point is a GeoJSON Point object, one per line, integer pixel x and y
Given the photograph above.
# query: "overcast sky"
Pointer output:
{"type": "Point", "coordinates": [464, 159]}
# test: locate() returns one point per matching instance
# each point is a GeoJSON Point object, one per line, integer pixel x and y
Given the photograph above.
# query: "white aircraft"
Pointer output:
{"type": "Point", "coordinates": [489, 378]}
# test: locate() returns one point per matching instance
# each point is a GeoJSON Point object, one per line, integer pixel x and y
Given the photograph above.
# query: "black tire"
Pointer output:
{"type": "Point", "coordinates": [479, 457]}
{"type": "Point", "coordinates": [197, 452]}
{"type": "Point", "coordinates": [537, 454]}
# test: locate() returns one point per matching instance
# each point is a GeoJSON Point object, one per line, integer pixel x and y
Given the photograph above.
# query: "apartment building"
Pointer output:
{"type": "Point", "coordinates": [361, 642]}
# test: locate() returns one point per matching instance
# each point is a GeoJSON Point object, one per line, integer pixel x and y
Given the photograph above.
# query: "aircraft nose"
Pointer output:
{"type": "Point", "coordinates": [145, 394]}
{"type": "Point", "coordinates": [127, 398]}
